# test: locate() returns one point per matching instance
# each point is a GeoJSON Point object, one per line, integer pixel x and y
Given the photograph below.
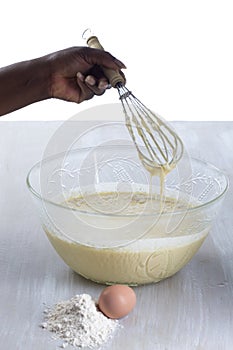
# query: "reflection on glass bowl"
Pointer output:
{"type": "Point", "coordinates": [102, 214]}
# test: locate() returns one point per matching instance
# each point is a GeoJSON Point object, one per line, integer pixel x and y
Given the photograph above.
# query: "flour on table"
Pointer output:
{"type": "Point", "coordinates": [79, 323]}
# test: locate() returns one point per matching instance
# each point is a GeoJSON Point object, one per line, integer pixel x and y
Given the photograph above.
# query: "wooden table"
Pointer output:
{"type": "Point", "coordinates": [191, 310]}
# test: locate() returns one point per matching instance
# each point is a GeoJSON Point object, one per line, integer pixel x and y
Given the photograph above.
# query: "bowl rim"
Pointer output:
{"type": "Point", "coordinates": [179, 211]}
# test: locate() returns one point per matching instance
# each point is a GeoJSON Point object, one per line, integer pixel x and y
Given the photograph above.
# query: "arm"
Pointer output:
{"type": "Point", "coordinates": [72, 74]}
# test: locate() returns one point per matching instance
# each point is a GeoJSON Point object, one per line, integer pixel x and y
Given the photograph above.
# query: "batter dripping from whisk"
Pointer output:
{"type": "Point", "coordinates": [158, 146]}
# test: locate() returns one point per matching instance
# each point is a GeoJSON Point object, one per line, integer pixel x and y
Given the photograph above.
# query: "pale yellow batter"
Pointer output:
{"type": "Point", "coordinates": [149, 259]}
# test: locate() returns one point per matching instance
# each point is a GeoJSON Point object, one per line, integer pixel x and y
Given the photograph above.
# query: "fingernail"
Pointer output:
{"type": "Point", "coordinates": [80, 76]}
{"type": "Point", "coordinates": [119, 63]}
{"type": "Point", "coordinates": [102, 85]}
{"type": "Point", "coordinates": [90, 80]}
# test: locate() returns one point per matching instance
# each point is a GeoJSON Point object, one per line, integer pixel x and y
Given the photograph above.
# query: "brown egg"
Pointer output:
{"type": "Point", "coordinates": [117, 301]}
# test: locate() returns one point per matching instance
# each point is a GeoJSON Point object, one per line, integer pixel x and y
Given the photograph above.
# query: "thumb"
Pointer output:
{"type": "Point", "coordinates": [103, 58]}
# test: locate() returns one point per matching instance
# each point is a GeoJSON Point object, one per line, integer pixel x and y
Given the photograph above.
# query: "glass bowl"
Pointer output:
{"type": "Point", "coordinates": [102, 212]}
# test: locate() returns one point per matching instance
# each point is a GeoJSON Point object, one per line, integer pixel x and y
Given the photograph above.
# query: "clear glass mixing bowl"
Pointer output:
{"type": "Point", "coordinates": [104, 242]}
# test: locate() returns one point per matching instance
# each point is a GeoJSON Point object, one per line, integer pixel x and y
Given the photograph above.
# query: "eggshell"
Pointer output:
{"type": "Point", "coordinates": [117, 301]}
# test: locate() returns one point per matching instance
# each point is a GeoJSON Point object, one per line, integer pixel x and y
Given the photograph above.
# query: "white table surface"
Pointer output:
{"type": "Point", "coordinates": [191, 310]}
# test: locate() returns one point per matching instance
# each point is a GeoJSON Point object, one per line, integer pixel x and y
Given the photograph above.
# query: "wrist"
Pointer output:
{"type": "Point", "coordinates": [37, 79]}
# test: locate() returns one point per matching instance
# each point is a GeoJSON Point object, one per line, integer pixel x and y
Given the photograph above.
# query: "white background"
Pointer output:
{"type": "Point", "coordinates": [179, 54]}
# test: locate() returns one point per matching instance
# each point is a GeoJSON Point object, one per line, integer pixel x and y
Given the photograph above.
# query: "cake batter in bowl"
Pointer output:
{"type": "Point", "coordinates": [105, 217]}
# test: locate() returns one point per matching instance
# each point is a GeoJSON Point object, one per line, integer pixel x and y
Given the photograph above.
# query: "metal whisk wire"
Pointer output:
{"type": "Point", "coordinates": [160, 146]}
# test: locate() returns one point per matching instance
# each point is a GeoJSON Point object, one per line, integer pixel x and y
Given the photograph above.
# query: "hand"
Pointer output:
{"type": "Point", "coordinates": [72, 74]}
{"type": "Point", "coordinates": [76, 73]}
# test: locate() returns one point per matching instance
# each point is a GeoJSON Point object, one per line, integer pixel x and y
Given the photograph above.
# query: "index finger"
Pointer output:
{"type": "Point", "coordinates": [102, 58]}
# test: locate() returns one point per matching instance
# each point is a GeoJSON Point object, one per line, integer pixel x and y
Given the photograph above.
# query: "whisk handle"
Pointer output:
{"type": "Point", "coordinates": [113, 76]}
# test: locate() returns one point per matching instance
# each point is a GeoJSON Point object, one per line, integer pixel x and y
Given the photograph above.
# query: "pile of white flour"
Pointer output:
{"type": "Point", "coordinates": [79, 323]}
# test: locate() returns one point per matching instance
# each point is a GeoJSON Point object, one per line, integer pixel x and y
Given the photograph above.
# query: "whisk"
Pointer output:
{"type": "Point", "coordinates": [158, 145]}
